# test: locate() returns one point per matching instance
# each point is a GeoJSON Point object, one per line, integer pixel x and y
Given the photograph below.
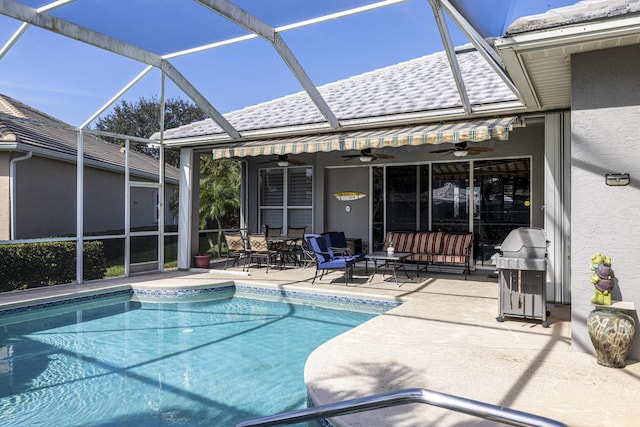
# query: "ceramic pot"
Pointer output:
{"type": "Point", "coordinates": [202, 261]}
{"type": "Point", "coordinates": [611, 332]}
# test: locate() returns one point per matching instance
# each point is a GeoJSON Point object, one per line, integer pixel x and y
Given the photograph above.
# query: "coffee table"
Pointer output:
{"type": "Point", "coordinates": [391, 259]}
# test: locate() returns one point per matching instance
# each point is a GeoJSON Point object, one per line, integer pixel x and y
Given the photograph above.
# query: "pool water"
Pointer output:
{"type": "Point", "coordinates": [185, 363]}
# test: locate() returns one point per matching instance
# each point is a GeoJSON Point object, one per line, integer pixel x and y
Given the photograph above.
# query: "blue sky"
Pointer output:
{"type": "Point", "coordinates": [71, 81]}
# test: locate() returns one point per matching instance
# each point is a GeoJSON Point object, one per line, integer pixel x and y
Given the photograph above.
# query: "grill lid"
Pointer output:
{"type": "Point", "coordinates": [525, 243]}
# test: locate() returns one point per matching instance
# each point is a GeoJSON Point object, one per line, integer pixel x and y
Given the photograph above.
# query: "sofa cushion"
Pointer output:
{"type": "Point", "coordinates": [420, 258]}
{"type": "Point", "coordinates": [428, 242]}
{"type": "Point", "coordinates": [457, 244]}
{"type": "Point", "coordinates": [449, 259]}
{"type": "Point", "coordinates": [402, 241]}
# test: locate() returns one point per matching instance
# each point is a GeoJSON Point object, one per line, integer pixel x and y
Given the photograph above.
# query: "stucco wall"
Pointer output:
{"type": "Point", "coordinates": [330, 215]}
{"type": "Point", "coordinates": [604, 138]}
{"type": "Point", "coordinates": [356, 222]}
{"type": "Point", "coordinates": [46, 200]}
{"type": "Point", "coordinates": [5, 205]}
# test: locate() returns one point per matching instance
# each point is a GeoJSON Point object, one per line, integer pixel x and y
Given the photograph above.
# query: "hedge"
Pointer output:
{"type": "Point", "coordinates": [32, 265]}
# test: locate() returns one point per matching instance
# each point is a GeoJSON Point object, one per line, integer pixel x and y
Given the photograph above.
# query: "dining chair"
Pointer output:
{"type": "Point", "coordinates": [236, 248]}
{"type": "Point", "coordinates": [295, 237]}
{"type": "Point", "coordinates": [260, 250]}
{"type": "Point", "coordinates": [273, 231]}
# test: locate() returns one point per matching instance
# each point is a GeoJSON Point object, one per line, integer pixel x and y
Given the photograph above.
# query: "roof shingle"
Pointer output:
{"type": "Point", "coordinates": [583, 11]}
{"type": "Point", "coordinates": [22, 124]}
{"type": "Point", "coordinates": [419, 85]}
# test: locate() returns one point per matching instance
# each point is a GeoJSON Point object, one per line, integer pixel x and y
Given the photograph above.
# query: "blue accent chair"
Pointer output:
{"type": "Point", "coordinates": [337, 244]}
{"type": "Point", "coordinates": [326, 260]}
{"type": "Point", "coordinates": [308, 255]}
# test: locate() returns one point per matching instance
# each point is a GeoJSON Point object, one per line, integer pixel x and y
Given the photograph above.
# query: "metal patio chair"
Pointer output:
{"type": "Point", "coordinates": [237, 248]}
{"type": "Point", "coordinates": [260, 250]}
{"type": "Point", "coordinates": [293, 245]}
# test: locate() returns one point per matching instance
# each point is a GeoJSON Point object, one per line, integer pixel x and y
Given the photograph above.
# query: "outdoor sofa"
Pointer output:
{"type": "Point", "coordinates": [433, 248]}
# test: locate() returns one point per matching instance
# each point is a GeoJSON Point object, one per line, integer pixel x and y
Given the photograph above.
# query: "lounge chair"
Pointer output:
{"type": "Point", "coordinates": [308, 256]}
{"type": "Point", "coordinates": [325, 260]}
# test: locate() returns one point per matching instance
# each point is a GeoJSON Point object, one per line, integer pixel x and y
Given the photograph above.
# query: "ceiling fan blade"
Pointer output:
{"type": "Point", "coordinates": [444, 150]}
{"type": "Point", "coordinates": [383, 156]}
{"type": "Point", "coordinates": [350, 156]}
{"type": "Point", "coordinates": [295, 161]}
{"type": "Point", "coordinates": [472, 151]}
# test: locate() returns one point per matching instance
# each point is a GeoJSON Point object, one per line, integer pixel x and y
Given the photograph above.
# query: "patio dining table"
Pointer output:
{"type": "Point", "coordinates": [281, 244]}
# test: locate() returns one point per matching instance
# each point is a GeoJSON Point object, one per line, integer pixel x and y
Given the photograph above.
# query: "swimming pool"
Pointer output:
{"type": "Point", "coordinates": [212, 357]}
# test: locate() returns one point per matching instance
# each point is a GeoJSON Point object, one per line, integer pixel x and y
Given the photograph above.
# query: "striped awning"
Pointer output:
{"type": "Point", "coordinates": [452, 132]}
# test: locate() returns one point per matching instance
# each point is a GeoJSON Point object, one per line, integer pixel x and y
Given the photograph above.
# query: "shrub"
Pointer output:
{"type": "Point", "coordinates": [32, 265]}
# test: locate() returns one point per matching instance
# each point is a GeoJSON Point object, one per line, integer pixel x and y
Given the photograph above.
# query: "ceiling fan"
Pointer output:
{"type": "Point", "coordinates": [367, 155]}
{"type": "Point", "coordinates": [283, 160]}
{"type": "Point", "coordinates": [461, 149]}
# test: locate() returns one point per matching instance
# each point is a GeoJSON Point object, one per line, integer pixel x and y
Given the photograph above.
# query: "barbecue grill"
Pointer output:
{"type": "Point", "coordinates": [522, 273]}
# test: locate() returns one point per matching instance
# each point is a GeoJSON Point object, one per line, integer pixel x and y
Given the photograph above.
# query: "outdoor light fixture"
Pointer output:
{"type": "Point", "coordinates": [460, 153]}
{"type": "Point", "coordinates": [366, 159]}
{"type": "Point", "coordinates": [283, 163]}
{"type": "Point", "coordinates": [616, 179]}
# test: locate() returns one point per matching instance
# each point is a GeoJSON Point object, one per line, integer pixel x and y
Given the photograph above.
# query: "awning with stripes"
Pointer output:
{"type": "Point", "coordinates": [452, 132]}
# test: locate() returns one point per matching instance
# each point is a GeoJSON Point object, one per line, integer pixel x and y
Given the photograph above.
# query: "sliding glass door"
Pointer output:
{"type": "Point", "coordinates": [450, 197]}
{"type": "Point", "coordinates": [491, 201]}
{"type": "Point", "coordinates": [503, 203]}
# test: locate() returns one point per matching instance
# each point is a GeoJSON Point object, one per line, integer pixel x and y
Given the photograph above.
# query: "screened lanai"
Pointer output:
{"type": "Point", "coordinates": [213, 51]}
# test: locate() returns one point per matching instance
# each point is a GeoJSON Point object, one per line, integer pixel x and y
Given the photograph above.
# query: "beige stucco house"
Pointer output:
{"type": "Point", "coordinates": [38, 176]}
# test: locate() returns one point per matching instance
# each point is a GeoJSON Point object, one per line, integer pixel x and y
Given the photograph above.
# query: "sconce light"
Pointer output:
{"type": "Point", "coordinates": [366, 159]}
{"type": "Point", "coordinates": [283, 163]}
{"type": "Point", "coordinates": [616, 179]}
{"type": "Point", "coordinates": [460, 153]}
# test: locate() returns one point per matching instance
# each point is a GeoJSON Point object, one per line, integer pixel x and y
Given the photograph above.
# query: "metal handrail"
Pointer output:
{"type": "Point", "coordinates": [403, 397]}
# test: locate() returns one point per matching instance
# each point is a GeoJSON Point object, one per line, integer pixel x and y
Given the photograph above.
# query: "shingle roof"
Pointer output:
{"type": "Point", "coordinates": [419, 85]}
{"type": "Point", "coordinates": [583, 11]}
{"type": "Point", "coordinates": [22, 124]}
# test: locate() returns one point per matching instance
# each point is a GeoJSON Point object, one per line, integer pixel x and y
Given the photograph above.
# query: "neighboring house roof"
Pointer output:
{"type": "Point", "coordinates": [27, 129]}
{"type": "Point", "coordinates": [538, 49]}
{"type": "Point", "coordinates": [422, 87]}
{"type": "Point", "coordinates": [581, 12]}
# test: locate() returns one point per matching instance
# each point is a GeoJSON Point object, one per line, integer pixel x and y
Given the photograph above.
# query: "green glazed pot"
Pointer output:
{"type": "Point", "coordinates": [611, 332]}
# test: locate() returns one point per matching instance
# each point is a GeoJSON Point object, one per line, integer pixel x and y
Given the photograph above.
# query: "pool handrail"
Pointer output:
{"type": "Point", "coordinates": [402, 397]}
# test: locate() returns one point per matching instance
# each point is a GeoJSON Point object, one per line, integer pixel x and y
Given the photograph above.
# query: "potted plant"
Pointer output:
{"type": "Point", "coordinates": [202, 260]}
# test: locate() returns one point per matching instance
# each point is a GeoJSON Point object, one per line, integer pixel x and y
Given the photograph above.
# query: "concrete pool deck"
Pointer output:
{"type": "Point", "coordinates": [444, 337]}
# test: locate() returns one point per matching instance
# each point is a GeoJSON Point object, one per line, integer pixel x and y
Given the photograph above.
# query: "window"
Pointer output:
{"type": "Point", "coordinates": [286, 197]}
